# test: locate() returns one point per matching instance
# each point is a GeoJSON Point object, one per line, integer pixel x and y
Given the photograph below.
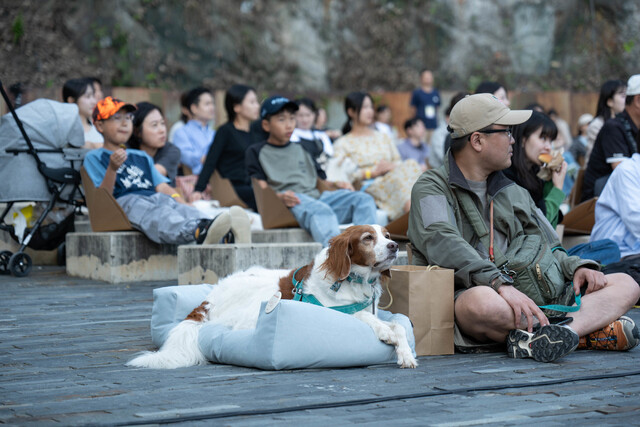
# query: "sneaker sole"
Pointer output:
{"type": "Point", "coordinates": [550, 343]}
{"type": "Point", "coordinates": [240, 225]}
{"type": "Point", "coordinates": [218, 228]}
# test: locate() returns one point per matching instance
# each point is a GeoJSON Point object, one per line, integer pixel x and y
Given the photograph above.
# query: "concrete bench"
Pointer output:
{"type": "Point", "coordinates": [120, 256]}
{"type": "Point", "coordinates": [402, 258]}
{"type": "Point", "coordinates": [281, 235]}
{"type": "Point", "coordinates": [208, 263]}
{"type": "Point", "coordinates": [82, 224]}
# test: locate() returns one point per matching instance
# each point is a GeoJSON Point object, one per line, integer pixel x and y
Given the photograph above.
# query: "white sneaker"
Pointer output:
{"type": "Point", "coordinates": [218, 228]}
{"type": "Point", "coordinates": [240, 225]}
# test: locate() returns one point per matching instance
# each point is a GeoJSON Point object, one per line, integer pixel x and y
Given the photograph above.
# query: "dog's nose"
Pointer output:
{"type": "Point", "coordinates": [393, 246]}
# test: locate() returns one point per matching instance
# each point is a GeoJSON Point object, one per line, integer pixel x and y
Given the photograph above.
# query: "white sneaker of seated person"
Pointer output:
{"type": "Point", "coordinates": [233, 226]}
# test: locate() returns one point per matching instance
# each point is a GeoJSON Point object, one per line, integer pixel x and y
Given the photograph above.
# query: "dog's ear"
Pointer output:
{"type": "Point", "coordinates": [338, 262]}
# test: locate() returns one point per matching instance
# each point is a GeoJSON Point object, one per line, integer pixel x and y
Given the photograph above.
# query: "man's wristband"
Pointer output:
{"type": "Point", "coordinates": [175, 195]}
{"type": "Point", "coordinates": [367, 174]}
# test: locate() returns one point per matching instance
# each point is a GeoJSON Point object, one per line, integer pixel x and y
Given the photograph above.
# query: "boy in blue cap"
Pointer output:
{"type": "Point", "coordinates": [293, 174]}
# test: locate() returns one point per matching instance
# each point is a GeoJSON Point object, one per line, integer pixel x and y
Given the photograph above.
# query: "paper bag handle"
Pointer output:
{"type": "Point", "coordinates": [428, 267]}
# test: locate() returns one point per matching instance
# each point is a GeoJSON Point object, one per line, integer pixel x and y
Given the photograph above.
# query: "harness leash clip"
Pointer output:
{"type": "Point", "coordinates": [507, 271]}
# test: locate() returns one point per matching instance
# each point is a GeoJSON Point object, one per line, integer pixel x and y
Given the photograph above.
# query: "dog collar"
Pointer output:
{"type": "Point", "coordinates": [298, 295]}
{"type": "Point", "coordinates": [351, 278]}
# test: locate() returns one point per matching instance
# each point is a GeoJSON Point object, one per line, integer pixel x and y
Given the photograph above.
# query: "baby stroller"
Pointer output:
{"type": "Point", "coordinates": [39, 169]}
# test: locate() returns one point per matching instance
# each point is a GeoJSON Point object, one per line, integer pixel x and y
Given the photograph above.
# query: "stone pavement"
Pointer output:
{"type": "Point", "coordinates": [64, 342]}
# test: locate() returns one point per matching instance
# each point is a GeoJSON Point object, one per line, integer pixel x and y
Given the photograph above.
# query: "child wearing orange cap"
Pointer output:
{"type": "Point", "coordinates": [151, 204]}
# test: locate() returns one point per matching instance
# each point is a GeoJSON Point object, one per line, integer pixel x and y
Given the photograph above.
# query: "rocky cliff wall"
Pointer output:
{"type": "Point", "coordinates": [328, 46]}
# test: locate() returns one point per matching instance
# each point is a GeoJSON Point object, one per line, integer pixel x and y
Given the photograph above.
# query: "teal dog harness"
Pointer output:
{"type": "Point", "coordinates": [347, 309]}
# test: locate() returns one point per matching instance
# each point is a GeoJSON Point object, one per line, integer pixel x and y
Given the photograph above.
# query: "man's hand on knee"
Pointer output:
{"type": "Point", "coordinates": [595, 280]}
{"type": "Point", "coordinates": [522, 304]}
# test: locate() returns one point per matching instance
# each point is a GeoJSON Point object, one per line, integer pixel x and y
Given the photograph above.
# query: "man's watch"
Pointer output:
{"type": "Point", "coordinates": [501, 279]}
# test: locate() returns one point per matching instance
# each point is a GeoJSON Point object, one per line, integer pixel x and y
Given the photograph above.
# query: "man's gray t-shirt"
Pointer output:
{"type": "Point", "coordinates": [286, 167]}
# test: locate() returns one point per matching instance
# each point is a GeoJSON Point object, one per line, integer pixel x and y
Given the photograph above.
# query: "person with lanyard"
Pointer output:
{"type": "Point", "coordinates": [508, 261]}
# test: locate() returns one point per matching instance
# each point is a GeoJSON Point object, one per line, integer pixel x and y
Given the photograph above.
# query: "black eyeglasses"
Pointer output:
{"type": "Point", "coordinates": [508, 131]}
{"type": "Point", "coordinates": [119, 117]}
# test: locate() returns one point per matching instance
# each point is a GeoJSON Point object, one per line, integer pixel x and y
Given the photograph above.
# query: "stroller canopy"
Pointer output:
{"type": "Point", "coordinates": [49, 125]}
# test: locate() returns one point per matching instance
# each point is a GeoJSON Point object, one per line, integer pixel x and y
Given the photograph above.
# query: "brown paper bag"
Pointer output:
{"type": "Point", "coordinates": [425, 295]}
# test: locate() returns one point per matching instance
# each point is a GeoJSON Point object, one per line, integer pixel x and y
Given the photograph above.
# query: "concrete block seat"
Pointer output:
{"type": "Point", "coordinates": [120, 256]}
{"type": "Point", "coordinates": [208, 263]}
{"type": "Point", "coordinates": [281, 235]}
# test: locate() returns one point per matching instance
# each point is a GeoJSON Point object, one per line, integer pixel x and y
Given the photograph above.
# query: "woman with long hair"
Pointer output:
{"type": "Point", "coordinates": [532, 139]}
{"type": "Point", "coordinates": [150, 135]}
{"type": "Point", "coordinates": [227, 152]}
{"type": "Point", "coordinates": [379, 169]}
{"type": "Point", "coordinates": [81, 93]}
{"type": "Point", "coordinates": [610, 102]}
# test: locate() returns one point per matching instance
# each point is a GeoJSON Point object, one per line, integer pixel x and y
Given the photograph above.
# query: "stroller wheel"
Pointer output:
{"type": "Point", "coordinates": [5, 256]}
{"type": "Point", "coordinates": [20, 264]}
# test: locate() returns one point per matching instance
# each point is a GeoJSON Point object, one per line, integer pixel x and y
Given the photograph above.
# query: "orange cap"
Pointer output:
{"type": "Point", "coordinates": [108, 106]}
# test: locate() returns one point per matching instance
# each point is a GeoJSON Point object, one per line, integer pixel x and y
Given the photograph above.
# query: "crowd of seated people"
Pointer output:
{"type": "Point", "coordinates": [367, 155]}
{"type": "Point", "coordinates": [432, 179]}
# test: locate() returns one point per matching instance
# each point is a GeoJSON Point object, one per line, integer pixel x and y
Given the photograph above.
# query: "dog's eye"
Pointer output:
{"type": "Point", "coordinates": [388, 236]}
{"type": "Point", "coordinates": [368, 237]}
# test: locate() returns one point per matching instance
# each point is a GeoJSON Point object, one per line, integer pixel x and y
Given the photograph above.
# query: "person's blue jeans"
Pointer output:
{"type": "Point", "coordinates": [321, 217]}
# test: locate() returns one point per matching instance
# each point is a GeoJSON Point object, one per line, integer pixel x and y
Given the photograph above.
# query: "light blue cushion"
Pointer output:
{"type": "Point", "coordinates": [171, 305]}
{"type": "Point", "coordinates": [294, 335]}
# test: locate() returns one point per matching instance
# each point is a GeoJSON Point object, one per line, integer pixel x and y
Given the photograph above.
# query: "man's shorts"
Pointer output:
{"type": "Point", "coordinates": [466, 344]}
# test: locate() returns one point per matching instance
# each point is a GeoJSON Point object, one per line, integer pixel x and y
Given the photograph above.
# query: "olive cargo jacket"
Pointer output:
{"type": "Point", "coordinates": [441, 234]}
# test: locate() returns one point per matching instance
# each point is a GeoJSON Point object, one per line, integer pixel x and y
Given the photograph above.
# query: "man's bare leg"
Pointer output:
{"type": "Point", "coordinates": [483, 315]}
{"type": "Point", "coordinates": [602, 307]}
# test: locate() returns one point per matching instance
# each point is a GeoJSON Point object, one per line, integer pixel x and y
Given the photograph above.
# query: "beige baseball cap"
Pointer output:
{"type": "Point", "coordinates": [475, 112]}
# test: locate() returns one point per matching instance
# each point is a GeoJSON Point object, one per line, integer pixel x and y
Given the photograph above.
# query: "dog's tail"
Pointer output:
{"type": "Point", "coordinates": [181, 347]}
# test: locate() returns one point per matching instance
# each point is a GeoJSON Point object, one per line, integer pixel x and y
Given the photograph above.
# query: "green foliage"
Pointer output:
{"type": "Point", "coordinates": [120, 44]}
{"type": "Point", "coordinates": [628, 46]}
{"type": "Point", "coordinates": [150, 79]}
{"type": "Point", "coordinates": [17, 29]}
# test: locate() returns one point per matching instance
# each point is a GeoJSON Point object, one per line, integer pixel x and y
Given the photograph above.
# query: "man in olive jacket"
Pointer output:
{"type": "Point", "coordinates": [451, 205]}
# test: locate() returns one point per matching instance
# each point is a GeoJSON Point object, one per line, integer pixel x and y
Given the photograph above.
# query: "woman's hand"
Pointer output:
{"type": "Point", "coordinates": [557, 176]}
{"type": "Point", "coordinates": [382, 168]}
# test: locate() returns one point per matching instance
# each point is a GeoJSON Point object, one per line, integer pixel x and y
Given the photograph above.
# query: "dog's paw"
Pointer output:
{"type": "Point", "coordinates": [406, 359]}
{"type": "Point", "coordinates": [386, 335]}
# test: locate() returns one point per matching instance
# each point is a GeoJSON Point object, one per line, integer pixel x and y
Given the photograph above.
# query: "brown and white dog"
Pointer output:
{"type": "Point", "coordinates": [347, 273]}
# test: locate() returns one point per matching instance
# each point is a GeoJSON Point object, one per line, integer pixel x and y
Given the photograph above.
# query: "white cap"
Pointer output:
{"type": "Point", "coordinates": [633, 85]}
{"type": "Point", "coordinates": [585, 119]}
